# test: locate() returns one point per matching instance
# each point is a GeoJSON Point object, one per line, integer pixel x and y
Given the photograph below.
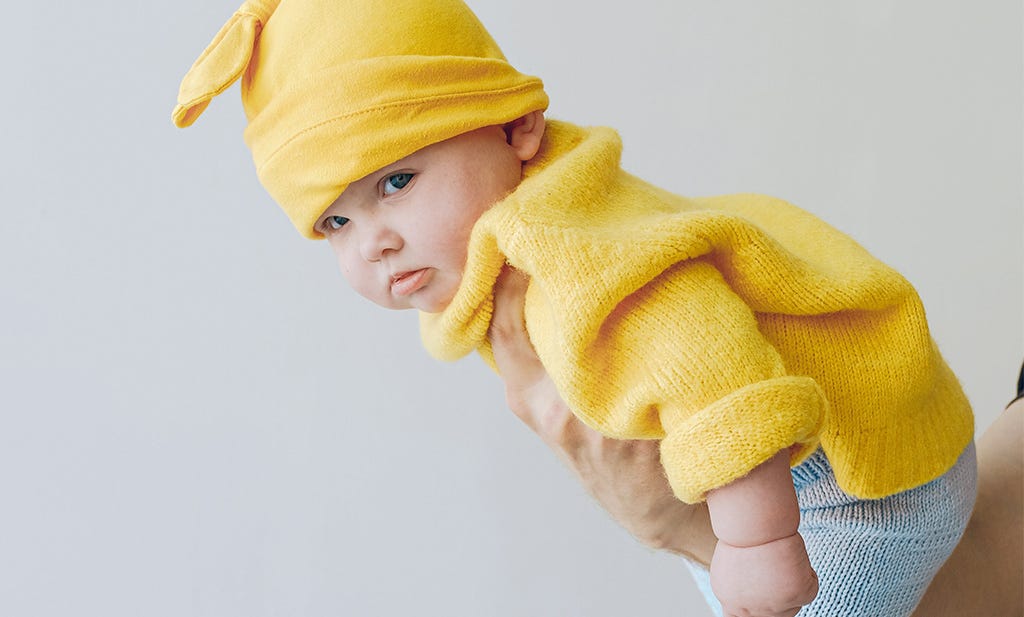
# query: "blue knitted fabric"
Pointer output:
{"type": "Point", "coordinates": [874, 558]}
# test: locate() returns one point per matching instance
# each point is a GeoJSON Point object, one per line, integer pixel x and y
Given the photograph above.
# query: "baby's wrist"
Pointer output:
{"type": "Point", "coordinates": [743, 543]}
{"type": "Point", "coordinates": [758, 508]}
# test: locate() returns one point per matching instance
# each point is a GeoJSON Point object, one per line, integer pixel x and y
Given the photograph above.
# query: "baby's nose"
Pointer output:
{"type": "Point", "coordinates": [377, 240]}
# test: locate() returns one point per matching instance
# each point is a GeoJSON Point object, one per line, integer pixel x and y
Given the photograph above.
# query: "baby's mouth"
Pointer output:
{"type": "Point", "coordinates": [408, 283]}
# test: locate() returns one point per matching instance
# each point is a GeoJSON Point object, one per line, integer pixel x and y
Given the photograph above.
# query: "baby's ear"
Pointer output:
{"type": "Point", "coordinates": [524, 134]}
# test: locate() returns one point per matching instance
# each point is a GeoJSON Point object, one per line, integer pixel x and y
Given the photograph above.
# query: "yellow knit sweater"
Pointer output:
{"type": "Point", "coordinates": [728, 327]}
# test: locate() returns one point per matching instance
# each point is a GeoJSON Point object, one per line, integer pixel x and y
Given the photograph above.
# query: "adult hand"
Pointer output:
{"type": "Point", "coordinates": [625, 477]}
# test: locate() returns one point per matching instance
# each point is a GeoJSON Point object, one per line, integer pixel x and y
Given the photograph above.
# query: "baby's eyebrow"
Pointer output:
{"type": "Point", "coordinates": [392, 169]}
{"type": "Point", "coordinates": [406, 161]}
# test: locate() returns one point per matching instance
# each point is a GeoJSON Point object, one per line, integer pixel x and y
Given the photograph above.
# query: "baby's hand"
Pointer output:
{"type": "Point", "coordinates": [773, 579]}
{"type": "Point", "coordinates": [760, 567]}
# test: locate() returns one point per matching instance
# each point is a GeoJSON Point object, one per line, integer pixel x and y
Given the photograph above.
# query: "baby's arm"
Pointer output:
{"type": "Point", "coordinates": [760, 565]}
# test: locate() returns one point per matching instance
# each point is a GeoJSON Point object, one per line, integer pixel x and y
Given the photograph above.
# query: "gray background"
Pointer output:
{"type": "Point", "coordinates": [198, 419]}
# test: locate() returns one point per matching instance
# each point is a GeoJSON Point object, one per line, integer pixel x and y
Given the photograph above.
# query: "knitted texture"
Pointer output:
{"type": "Point", "coordinates": [874, 558]}
{"type": "Point", "coordinates": [729, 327]}
{"type": "Point", "coordinates": [336, 89]}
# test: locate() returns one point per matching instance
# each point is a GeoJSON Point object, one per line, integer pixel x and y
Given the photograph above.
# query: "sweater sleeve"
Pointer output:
{"type": "Point", "coordinates": [688, 350]}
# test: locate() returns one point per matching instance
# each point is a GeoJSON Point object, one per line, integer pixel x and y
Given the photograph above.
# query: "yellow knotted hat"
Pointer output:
{"type": "Point", "coordinates": [336, 89]}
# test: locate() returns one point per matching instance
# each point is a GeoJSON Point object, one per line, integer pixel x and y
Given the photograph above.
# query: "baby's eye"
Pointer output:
{"type": "Point", "coordinates": [396, 182]}
{"type": "Point", "coordinates": [334, 222]}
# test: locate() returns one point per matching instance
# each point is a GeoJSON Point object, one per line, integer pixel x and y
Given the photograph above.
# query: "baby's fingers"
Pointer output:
{"type": "Point", "coordinates": [774, 579]}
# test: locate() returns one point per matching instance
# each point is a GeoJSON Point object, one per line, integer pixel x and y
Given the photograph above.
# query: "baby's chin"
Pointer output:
{"type": "Point", "coordinates": [425, 305]}
{"type": "Point", "coordinates": [433, 307]}
{"type": "Point", "coordinates": [439, 293]}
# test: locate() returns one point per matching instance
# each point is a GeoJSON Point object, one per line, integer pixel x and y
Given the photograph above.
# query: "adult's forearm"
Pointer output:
{"type": "Point", "coordinates": [985, 574]}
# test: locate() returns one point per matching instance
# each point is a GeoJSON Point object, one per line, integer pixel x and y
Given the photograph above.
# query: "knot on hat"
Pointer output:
{"type": "Point", "coordinates": [223, 61]}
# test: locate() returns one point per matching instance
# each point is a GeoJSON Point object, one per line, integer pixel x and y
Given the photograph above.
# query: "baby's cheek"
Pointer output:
{"type": "Point", "coordinates": [353, 279]}
{"type": "Point", "coordinates": [356, 282]}
{"type": "Point", "coordinates": [454, 243]}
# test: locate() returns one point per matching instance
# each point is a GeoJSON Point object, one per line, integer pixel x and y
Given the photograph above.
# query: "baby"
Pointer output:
{"type": "Point", "coordinates": [789, 376]}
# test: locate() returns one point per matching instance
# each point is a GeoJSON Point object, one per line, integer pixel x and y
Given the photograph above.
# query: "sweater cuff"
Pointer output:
{"type": "Point", "coordinates": [725, 440]}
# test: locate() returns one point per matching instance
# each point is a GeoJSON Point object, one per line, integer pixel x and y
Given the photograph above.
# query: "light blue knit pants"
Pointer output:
{"type": "Point", "coordinates": [874, 558]}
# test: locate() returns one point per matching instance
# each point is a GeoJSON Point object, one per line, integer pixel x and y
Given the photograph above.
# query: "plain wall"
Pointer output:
{"type": "Point", "coordinates": [199, 419]}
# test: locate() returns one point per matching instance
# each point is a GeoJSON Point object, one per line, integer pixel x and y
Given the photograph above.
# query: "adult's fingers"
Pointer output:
{"type": "Point", "coordinates": [507, 327]}
{"type": "Point", "coordinates": [528, 389]}
{"type": "Point", "coordinates": [517, 362]}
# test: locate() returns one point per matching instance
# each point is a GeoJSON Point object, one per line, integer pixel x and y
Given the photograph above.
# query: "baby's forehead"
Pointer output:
{"type": "Point", "coordinates": [423, 154]}
{"type": "Point", "coordinates": [443, 151]}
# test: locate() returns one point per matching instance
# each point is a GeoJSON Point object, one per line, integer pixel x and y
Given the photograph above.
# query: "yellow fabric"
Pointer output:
{"type": "Point", "coordinates": [729, 327]}
{"type": "Point", "coordinates": [334, 90]}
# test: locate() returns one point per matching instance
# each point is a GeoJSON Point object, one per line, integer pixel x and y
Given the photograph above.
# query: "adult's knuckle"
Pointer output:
{"type": "Point", "coordinates": [556, 425]}
{"type": "Point", "coordinates": [519, 405]}
{"type": "Point", "coordinates": [659, 540]}
{"type": "Point", "coordinates": [501, 330]}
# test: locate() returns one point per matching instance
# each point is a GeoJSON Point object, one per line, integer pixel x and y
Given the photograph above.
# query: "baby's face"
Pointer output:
{"type": "Point", "coordinates": [400, 234]}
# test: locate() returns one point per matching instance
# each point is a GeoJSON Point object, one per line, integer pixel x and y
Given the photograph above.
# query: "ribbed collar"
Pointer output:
{"type": "Point", "coordinates": [572, 165]}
